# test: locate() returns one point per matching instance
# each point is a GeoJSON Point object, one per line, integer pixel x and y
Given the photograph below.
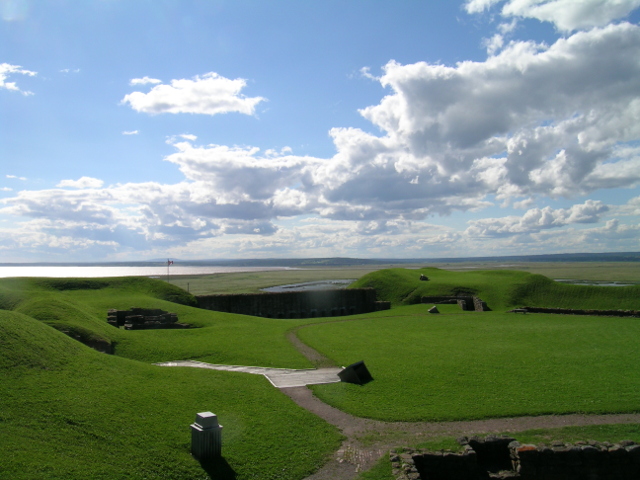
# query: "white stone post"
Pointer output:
{"type": "Point", "coordinates": [206, 436]}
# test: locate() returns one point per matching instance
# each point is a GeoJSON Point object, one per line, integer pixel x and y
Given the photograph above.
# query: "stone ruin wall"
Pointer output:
{"type": "Point", "coordinates": [465, 302]}
{"type": "Point", "coordinates": [307, 304]}
{"type": "Point", "coordinates": [574, 311]}
{"type": "Point", "coordinates": [143, 319]}
{"type": "Point", "coordinates": [505, 458]}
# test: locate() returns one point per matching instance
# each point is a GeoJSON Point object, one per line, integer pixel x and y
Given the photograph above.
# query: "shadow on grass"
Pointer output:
{"type": "Point", "coordinates": [218, 469]}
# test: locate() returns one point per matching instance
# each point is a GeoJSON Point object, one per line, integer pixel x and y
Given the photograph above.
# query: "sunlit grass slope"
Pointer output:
{"type": "Point", "coordinates": [79, 307]}
{"type": "Point", "coordinates": [69, 412]}
{"type": "Point", "coordinates": [481, 364]}
{"type": "Point", "coordinates": [501, 289]}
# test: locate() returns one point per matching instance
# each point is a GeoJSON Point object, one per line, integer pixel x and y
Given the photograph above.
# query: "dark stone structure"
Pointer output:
{"type": "Point", "coordinates": [466, 302]}
{"type": "Point", "coordinates": [382, 305]}
{"type": "Point", "coordinates": [143, 319]}
{"type": "Point", "coordinates": [306, 304]}
{"type": "Point", "coordinates": [357, 373]}
{"type": "Point", "coordinates": [574, 311]}
{"type": "Point", "coordinates": [505, 458]}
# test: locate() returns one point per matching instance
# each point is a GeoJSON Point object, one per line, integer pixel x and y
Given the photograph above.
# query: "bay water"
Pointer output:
{"type": "Point", "coordinates": [91, 271]}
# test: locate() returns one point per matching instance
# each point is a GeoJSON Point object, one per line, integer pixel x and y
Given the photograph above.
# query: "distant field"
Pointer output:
{"type": "Point", "coordinates": [252, 282]}
{"type": "Point", "coordinates": [593, 271]}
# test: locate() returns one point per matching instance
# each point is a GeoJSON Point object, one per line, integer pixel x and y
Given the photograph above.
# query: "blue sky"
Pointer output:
{"type": "Point", "coordinates": [244, 129]}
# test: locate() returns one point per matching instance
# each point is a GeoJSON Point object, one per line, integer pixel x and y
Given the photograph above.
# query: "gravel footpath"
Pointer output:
{"type": "Point", "coordinates": [354, 457]}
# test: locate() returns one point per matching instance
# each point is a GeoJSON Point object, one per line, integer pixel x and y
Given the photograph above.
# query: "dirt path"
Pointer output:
{"type": "Point", "coordinates": [315, 357]}
{"type": "Point", "coordinates": [368, 440]}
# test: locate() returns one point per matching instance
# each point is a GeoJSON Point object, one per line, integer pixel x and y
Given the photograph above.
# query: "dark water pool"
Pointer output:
{"type": "Point", "coordinates": [319, 285]}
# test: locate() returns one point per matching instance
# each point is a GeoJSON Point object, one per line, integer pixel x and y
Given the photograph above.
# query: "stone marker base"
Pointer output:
{"type": "Point", "coordinates": [206, 436]}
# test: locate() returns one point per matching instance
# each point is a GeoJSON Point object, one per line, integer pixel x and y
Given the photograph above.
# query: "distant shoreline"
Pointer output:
{"type": "Point", "coordinates": [345, 261]}
{"type": "Point", "coordinates": [111, 271]}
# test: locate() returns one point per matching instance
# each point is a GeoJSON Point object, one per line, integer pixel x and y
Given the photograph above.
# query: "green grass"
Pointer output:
{"type": "Point", "coordinates": [403, 287]}
{"type": "Point", "coordinates": [67, 411]}
{"type": "Point", "coordinates": [70, 412]}
{"type": "Point", "coordinates": [481, 365]}
{"type": "Point", "coordinates": [500, 289]}
{"type": "Point", "coordinates": [380, 471]}
{"type": "Point", "coordinates": [79, 308]}
{"type": "Point", "coordinates": [542, 292]}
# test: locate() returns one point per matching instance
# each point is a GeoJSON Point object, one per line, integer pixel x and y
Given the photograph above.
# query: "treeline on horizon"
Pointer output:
{"type": "Point", "coordinates": [345, 261]}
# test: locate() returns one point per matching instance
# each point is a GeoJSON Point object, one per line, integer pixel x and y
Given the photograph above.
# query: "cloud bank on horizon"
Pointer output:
{"type": "Point", "coordinates": [533, 149]}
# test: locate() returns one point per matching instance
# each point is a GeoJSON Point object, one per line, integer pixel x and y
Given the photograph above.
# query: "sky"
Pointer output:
{"type": "Point", "coordinates": [226, 129]}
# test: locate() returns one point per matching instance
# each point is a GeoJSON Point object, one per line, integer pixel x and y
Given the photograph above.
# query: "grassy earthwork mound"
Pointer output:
{"type": "Point", "coordinates": [500, 289]}
{"type": "Point", "coordinates": [70, 412]}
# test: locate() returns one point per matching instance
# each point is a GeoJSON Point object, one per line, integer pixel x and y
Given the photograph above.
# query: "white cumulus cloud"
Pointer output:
{"type": "Point", "coordinates": [82, 182]}
{"type": "Point", "coordinates": [144, 81]}
{"type": "Point", "coordinates": [209, 94]}
{"type": "Point", "coordinates": [533, 120]}
{"type": "Point", "coordinates": [537, 219]}
{"type": "Point", "coordinates": [6, 70]}
{"type": "Point", "coordinates": [566, 15]}
{"type": "Point", "coordinates": [529, 123]}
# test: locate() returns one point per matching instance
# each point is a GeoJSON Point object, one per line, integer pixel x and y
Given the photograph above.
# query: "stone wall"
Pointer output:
{"type": "Point", "coordinates": [480, 305]}
{"type": "Point", "coordinates": [465, 302]}
{"type": "Point", "coordinates": [574, 311]}
{"type": "Point", "coordinates": [143, 319]}
{"type": "Point", "coordinates": [381, 305]}
{"type": "Point", "coordinates": [307, 304]}
{"type": "Point", "coordinates": [505, 458]}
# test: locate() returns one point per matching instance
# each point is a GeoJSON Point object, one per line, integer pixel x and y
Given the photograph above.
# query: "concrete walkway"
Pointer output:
{"type": "Point", "coordinates": [279, 377]}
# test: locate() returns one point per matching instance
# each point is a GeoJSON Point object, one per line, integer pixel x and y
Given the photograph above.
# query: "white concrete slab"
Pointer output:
{"type": "Point", "coordinates": [279, 377]}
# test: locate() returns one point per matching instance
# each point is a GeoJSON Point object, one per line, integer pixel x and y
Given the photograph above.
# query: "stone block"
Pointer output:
{"type": "Point", "coordinates": [356, 373]}
{"type": "Point", "coordinates": [206, 420]}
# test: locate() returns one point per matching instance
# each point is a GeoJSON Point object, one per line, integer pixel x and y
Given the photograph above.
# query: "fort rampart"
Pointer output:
{"type": "Point", "coordinates": [574, 311]}
{"type": "Point", "coordinates": [465, 302]}
{"type": "Point", "coordinates": [307, 304]}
